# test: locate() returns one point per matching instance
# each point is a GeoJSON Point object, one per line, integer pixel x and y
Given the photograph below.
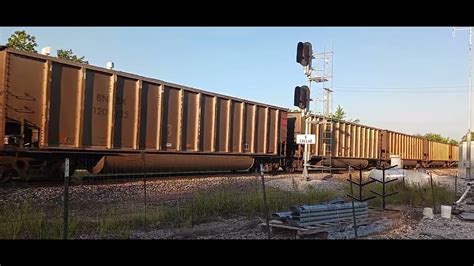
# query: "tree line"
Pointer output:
{"type": "Point", "coordinates": [340, 115]}
{"type": "Point", "coordinates": [438, 138]}
{"type": "Point", "coordinates": [23, 41]}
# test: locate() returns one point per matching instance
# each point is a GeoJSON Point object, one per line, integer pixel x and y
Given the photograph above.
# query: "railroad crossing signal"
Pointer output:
{"type": "Point", "coordinates": [301, 96]}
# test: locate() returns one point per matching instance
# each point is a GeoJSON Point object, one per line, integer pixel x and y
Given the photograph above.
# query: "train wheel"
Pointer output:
{"type": "Point", "coordinates": [6, 174]}
{"type": "Point", "coordinates": [55, 169]}
{"type": "Point", "coordinates": [275, 168]}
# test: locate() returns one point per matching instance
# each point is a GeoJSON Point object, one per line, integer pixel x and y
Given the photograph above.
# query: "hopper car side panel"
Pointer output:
{"type": "Point", "coordinates": [358, 144]}
{"type": "Point", "coordinates": [61, 106]}
{"type": "Point", "coordinates": [351, 143]}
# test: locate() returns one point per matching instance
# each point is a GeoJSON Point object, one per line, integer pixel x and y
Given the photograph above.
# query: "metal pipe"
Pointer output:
{"type": "Point", "coordinates": [468, 139]}
{"type": "Point", "coordinates": [281, 215]}
{"type": "Point", "coordinates": [463, 195]}
{"type": "Point", "coordinates": [405, 189]}
{"type": "Point", "coordinates": [340, 215]}
{"type": "Point", "coordinates": [321, 214]}
{"type": "Point", "coordinates": [455, 185]}
{"type": "Point", "coordinates": [467, 163]}
{"type": "Point", "coordinates": [265, 201]}
{"type": "Point", "coordinates": [305, 213]}
{"type": "Point", "coordinates": [144, 186]}
{"type": "Point", "coordinates": [301, 224]}
{"type": "Point", "coordinates": [66, 199]}
{"type": "Point", "coordinates": [383, 187]}
{"type": "Point", "coordinates": [314, 208]}
{"type": "Point", "coordinates": [432, 192]}
{"type": "Point", "coordinates": [360, 182]}
{"type": "Point", "coordinates": [353, 207]}
{"type": "Point", "coordinates": [344, 215]}
{"type": "Point", "coordinates": [289, 215]}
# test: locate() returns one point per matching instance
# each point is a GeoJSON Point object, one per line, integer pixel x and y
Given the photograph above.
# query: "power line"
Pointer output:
{"type": "Point", "coordinates": [399, 92]}
{"type": "Point", "coordinates": [396, 88]}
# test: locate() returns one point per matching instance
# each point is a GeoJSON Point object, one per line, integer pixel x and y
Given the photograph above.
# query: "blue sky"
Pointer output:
{"type": "Point", "coordinates": [409, 79]}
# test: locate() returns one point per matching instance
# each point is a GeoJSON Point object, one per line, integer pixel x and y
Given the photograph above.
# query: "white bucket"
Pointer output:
{"type": "Point", "coordinates": [446, 211]}
{"type": "Point", "coordinates": [428, 213]}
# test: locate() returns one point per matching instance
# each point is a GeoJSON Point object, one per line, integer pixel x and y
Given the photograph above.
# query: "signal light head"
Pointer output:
{"type": "Point", "coordinates": [301, 97]}
{"type": "Point", "coordinates": [304, 53]}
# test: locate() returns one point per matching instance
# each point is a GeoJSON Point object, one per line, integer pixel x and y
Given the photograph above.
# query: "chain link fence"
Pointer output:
{"type": "Point", "coordinates": [131, 205]}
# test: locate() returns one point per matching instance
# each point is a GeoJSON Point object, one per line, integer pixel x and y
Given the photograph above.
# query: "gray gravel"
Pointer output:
{"type": "Point", "coordinates": [236, 228]}
{"type": "Point", "coordinates": [157, 189]}
{"type": "Point", "coordinates": [297, 183]}
{"type": "Point", "coordinates": [437, 228]}
{"type": "Point", "coordinates": [244, 228]}
{"type": "Point", "coordinates": [110, 192]}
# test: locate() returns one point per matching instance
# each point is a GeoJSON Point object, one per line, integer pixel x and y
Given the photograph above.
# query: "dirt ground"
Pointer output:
{"type": "Point", "coordinates": [405, 224]}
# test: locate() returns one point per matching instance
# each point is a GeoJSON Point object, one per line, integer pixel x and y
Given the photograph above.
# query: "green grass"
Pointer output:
{"type": "Point", "coordinates": [120, 219]}
{"type": "Point", "coordinates": [23, 221]}
{"type": "Point", "coordinates": [116, 221]}
{"type": "Point", "coordinates": [415, 196]}
{"type": "Point", "coordinates": [229, 202]}
{"type": "Point", "coordinates": [116, 226]}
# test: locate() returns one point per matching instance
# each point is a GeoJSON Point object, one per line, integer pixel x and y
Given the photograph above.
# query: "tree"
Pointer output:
{"type": "Point", "coordinates": [69, 55]}
{"type": "Point", "coordinates": [438, 138]}
{"type": "Point", "coordinates": [20, 40]}
{"type": "Point", "coordinates": [340, 114]}
{"type": "Point", "coordinates": [453, 142]}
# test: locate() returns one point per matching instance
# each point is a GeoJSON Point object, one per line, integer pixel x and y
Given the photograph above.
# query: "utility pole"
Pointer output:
{"type": "Point", "coordinates": [467, 163]}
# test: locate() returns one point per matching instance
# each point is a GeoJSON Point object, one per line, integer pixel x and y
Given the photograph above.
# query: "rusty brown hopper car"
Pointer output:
{"type": "Point", "coordinates": [359, 145]}
{"type": "Point", "coordinates": [350, 143]}
{"type": "Point", "coordinates": [114, 121]}
{"type": "Point", "coordinates": [418, 151]}
{"type": "Point", "coordinates": [410, 148]}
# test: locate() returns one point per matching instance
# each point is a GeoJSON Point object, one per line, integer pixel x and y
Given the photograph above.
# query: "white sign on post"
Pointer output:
{"type": "Point", "coordinates": [305, 139]}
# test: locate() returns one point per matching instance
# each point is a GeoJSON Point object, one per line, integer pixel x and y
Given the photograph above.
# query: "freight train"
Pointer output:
{"type": "Point", "coordinates": [107, 121]}
{"type": "Point", "coordinates": [346, 143]}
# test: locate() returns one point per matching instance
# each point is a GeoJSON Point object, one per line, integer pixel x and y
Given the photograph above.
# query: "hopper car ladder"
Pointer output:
{"type": "Point", "coordinates": [326, 161]}
{"type": "Point", "coordinates": [326, 142]}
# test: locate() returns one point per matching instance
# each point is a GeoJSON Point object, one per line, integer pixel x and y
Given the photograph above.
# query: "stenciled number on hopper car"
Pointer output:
{"type": "Point", "coordinates": [101, 98]}
{"type": "Point", "coordinates": [100, 111]}
{"type": "Point", "coordinates": [121, 113]}
{"type": "Point", "coordinates": [103, 111]}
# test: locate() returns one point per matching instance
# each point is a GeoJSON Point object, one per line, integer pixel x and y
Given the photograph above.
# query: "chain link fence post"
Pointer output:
{"type": "Point", "coordinates": [66, 199]}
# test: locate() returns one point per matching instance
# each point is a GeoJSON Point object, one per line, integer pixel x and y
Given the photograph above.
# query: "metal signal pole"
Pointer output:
{"type": "Point", "coordinates": [468, 137]}
{"type": "Point", "coordinates": [307, 120]}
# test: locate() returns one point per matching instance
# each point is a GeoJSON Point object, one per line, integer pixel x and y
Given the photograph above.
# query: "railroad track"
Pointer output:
{"type": "Point", "coordinates": [83, 179]}
{"type": "Point", "coordinates": [121, 179]}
